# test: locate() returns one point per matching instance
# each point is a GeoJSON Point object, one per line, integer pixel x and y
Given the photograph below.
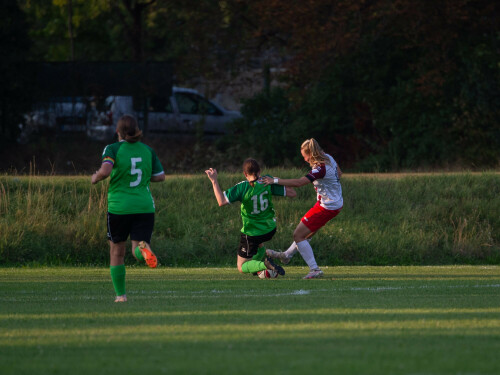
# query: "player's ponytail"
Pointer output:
{"type": "Point", "coordinates": [316, 154]}
{"type": "Point", "coordinates": [251, 167]}
{"type": "Point", "coordinates": [128, 129]}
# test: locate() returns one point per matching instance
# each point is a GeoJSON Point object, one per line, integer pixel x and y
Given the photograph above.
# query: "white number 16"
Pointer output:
{"type": "Point", "coordinates": [264, 203]}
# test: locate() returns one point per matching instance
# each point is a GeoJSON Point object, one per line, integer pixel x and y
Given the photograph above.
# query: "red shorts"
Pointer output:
{"type": "Point", "coordinates": [318, 216]}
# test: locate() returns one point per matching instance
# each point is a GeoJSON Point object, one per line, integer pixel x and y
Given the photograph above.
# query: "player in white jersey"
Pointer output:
{"type": "Point", "coordinates": [325, 176]}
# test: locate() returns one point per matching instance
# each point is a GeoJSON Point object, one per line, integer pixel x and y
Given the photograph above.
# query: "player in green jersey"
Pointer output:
{"type": "Point", "coordinates": [257, 215]}
{"type": "Point", "coordinates": [132, 166]}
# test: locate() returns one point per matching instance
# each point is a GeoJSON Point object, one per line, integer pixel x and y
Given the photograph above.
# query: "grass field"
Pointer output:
{"type": "Point", "coordinates": [356, 320]}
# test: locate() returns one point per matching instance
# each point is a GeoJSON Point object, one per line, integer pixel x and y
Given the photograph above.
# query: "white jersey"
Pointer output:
{"type": "Point", "coordinates": [326, 181]}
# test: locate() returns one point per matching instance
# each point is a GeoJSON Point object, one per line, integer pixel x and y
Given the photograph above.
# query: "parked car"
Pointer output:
{"type": "Point", "coordinates": [186, 111]}
{"type": "Point", "coordinates": [65, 114]}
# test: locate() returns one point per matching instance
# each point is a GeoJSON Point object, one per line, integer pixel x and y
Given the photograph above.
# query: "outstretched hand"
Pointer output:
{"type": "Point", "coordinates": [212, 174]}
{"type": "Point", "coordinates": [268, 180]}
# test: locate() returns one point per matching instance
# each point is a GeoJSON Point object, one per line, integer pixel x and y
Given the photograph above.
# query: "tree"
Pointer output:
{"type": "Point", "coordinates": [400, 83]}
{"type": "Point", "coordinates": [132, 14]}
{"type": "Point", "coordinates": [390, 80]}
{"type": "Point", "coordinates": [91, 35]}
{"type": "Point", "coordinates": [14, 98]}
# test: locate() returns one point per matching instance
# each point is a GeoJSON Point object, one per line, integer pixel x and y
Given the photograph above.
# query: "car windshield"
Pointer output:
{"type": "Point", "coordinates": [66, 99]}
{"type": "Point", "coordinates": [194, 104]}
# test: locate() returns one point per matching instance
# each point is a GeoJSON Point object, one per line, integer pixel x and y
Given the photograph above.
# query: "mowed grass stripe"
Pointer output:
{"type": "Point", "coordinates": [61, 296]}
{"type": "Point", "coordinates": [215, 332]}
{"type": "Point", "coordinates": [75, 274]}
{"type": "Point", "coordinates": [281, 313]}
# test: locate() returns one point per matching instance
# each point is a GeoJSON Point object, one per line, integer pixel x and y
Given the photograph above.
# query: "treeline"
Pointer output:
{"type": "Point", "coordinates": [383, 85]}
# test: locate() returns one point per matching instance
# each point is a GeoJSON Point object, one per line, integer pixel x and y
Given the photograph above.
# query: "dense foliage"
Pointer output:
{"type": "Point", "coordinates": [384, 85]}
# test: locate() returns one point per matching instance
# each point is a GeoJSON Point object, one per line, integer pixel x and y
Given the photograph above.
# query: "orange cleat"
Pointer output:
{"type": "Point", "coordinates": [148, 255]}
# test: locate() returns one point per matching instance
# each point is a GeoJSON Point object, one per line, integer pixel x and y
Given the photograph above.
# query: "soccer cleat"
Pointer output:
{"type": "Point", "coordinates": [278, 255]}
{"type": "Point", "coordinates": [270, 265]}
{"type": "Point", "coordinates": [148, 255]}
{"type": "Point", "coordinates": [314, 274]}
{"type": "Point", "coordinates": [122, 298]}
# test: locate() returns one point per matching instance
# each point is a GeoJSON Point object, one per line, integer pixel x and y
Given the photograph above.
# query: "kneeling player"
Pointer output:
{"type": "Point", "coordinates": [257, 215]}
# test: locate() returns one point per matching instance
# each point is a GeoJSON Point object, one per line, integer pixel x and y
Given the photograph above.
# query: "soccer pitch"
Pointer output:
{"type": "Point", "coordinates": [356, 320]}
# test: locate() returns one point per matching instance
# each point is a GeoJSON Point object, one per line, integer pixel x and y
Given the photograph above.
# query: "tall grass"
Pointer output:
{"type": "Point", "coordinates": [386, 220]}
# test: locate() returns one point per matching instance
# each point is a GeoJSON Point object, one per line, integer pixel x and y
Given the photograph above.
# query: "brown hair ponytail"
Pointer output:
{"type": "Point", "coordinates": [128, 129]}
{"type": "Point", "coordinates": [251, 167]}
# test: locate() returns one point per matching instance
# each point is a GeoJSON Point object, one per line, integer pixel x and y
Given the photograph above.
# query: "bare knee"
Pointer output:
{"type": "Point", "coordinates": [298, 237]}
{"type": "Point", "coordinates": [116, 253]}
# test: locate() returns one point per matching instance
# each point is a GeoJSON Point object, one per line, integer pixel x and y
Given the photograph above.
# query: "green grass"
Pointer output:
{"type": "Point", "coordinates": [357, 320]}
{"type": "Point", "coordinates": [416, 219]}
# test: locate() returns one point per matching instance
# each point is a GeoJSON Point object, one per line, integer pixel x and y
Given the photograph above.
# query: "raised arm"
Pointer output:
{"type": "Point", "coordinates": [212, 175]}
{"type": "Point", "coordinates": [102, 173]}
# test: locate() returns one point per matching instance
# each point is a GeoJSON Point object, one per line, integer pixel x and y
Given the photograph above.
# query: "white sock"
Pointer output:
{"type": "Point", "coordinates": [292, 250]}
{"type": "Point", "coordinates": [306, 251]}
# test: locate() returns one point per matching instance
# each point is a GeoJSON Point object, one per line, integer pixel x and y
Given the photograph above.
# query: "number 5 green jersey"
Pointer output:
{"type": "Point", "coordinates": [133, 166]}
{"type": "Point", "coordinates": [257, 211]}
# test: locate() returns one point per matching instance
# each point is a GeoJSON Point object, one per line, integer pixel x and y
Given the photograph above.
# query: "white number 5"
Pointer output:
{"type": "Point", "coordinates": [135, 170]}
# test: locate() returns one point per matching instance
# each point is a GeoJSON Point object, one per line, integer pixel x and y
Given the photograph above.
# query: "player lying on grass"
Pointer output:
{"type": "Point", "coordinates": [132, 166]}
{"type": "Point", "coordinates": [325, 176]}
{"type": "Point", "coordinates": [257, 215]}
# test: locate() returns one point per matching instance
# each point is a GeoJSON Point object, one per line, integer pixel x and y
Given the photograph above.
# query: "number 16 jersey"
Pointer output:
{"type": "Point", "coordinates": [133, 165]}
{"type": "Point", "coordinates": [257, 211]}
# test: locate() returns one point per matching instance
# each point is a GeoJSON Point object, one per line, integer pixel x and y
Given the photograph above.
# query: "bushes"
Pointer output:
{"type": "Point", "coordinates": [383, 107]}
{"type": "Point", "coordinates": [266, 128]}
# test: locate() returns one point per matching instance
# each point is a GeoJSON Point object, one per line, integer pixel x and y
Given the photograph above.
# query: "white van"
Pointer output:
{"type": "Point", "coordinates": [185, 112]}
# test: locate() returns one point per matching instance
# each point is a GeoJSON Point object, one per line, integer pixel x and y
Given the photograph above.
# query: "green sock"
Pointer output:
{"type": "Point", "coordinates": [261, 253]}
{"type": "Point", "coordinates": [118, 279]}
{"type": "Point", "coordinates": [138, 253]}
{"type": "Point", "coordinates": [253, 266]}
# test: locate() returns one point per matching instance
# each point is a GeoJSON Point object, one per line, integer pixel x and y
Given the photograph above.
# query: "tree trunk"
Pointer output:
{"type": "Point", "coordinates": [70, 31]}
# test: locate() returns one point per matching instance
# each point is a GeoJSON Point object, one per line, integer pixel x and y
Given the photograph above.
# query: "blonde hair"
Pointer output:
{"type": "Point", "coordinates": [128, 129]}
{"type": "Point", "coordinates": [316, 154]}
